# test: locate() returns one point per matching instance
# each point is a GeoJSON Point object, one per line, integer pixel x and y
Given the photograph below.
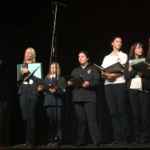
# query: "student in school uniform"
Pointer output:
{"type": "Point", "coordinates": [138, 96]}
{"type": "Point", "coordinates": [54, 103]}
{"type": "Point", "coordinates": [115, 91]}
{"type": "Point", "coordinates": [28, 98]}
{"type": "Point", "coordinates": [84, 80]}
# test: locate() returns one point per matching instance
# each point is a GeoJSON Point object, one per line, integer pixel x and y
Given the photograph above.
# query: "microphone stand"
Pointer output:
{"type": "Point", "coordinates": [53, 50]}
{"type": "Point", "coordinates": [56, 4]}
{"type": "Point", "coordinates": [53, 42]}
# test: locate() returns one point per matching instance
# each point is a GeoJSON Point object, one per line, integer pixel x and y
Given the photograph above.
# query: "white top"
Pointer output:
{"type": "Point", "coordinates": [136, 83]}
{"type": "Point", "coordinates": [111, 59]}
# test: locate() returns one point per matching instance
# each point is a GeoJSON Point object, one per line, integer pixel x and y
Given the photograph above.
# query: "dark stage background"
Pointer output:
{"type": "Point", "coordinates": [81, 24]}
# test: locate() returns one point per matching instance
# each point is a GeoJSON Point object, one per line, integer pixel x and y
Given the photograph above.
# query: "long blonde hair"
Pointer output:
{"type": "Point", "coordinates": [58, 69]}
{"type": "Point", "coordinates": [33, 52]}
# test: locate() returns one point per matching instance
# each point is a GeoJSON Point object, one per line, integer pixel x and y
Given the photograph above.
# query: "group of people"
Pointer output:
{"type": "Point", "coordinates": [83, 82]}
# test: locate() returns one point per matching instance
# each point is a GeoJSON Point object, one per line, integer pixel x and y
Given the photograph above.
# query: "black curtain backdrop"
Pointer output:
{"type": "Point", "coordinates": [81, 24]}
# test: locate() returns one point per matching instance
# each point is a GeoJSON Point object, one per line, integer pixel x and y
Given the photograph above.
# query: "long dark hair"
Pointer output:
{"type": "Point", "coordinates": [132, 50]}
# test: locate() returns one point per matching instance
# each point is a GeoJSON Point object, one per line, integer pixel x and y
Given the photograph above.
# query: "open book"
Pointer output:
{"type": "Point", "coordinates": [133, 62]}
{"type": "Point", "coordinates": [141, 65]}
{"type": "Point", "coordinates": [114, 68]}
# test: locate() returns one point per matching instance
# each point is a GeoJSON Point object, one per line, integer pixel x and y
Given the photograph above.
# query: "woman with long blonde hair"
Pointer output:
{"type": "Point", "coordinates": [29, 55]}
{"type": "Point", "coordinates": [28, 97]}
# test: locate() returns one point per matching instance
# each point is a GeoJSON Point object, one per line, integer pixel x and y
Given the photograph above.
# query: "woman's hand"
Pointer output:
{"type": "Point", "coordinates": [130, 68]}
{"type": "Point", "coordinates": [40, 88]}
{"type": "Point", "coordinates": [69, 83]}
{"type": "Point", "coordinates": [52, 90]}
{"type": "Point", "coordinates": [24, 70]}
{"type": "Point", "coordinates": [111, 76]}
{"type": "Point", "coordinates": [86, 84]}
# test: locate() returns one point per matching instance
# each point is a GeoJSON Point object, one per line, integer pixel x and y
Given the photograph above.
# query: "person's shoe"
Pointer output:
{"type": "Point", "coordinates": [78, 144]}
{"type": "Point", "coordinates": [94, 145]}
{"type": "Point", "coordinates": [115, 142]}
{"type": "Point", "coordinates": [144, 141]}
{"type": "Point", "coordinates": [97, 143]}
{"type": "Point", "coordinates": [30, 146]}
{"type": "Point", "coordinates": [50, 144]}
{"type": "Point", "coordinates": [123, 142]}
{"type": "Point", "coordinates": [58, 140]}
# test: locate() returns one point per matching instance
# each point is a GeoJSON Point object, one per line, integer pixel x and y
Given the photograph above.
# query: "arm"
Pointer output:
{"type": "Point", "coordinates": [62, 84]}
{"type": "Point", "coordinates": [110, 76]}
{"type": "Point", "coordinates": [129, 72]}
{"type": "Point", "coordinates": [75, 80]}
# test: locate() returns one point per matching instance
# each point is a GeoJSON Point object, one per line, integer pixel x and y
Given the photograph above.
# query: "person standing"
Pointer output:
{"type": "Point", "coordinates": [84, 80]}
{"type": "Point", "coordinates": [116, 91]}
{"type": "Point", "coordinates": [138, 96]}
{"type": "Point", "coordinates": [28, 97]}
{"type": "Point", "coordinates": [54, 102]}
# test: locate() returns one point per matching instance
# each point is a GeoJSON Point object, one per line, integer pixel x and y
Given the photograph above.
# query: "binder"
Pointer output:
{"type": "Point", "coordinates": [141, 65]}
{"type": "Point", "coordinates": [133, 62]}
{"type": "Point", "coordinates": [77, 82]}
{"type": "Point", "coordinates": [34, 69]}
{"type": "Point", "coordinates": [114, 68]}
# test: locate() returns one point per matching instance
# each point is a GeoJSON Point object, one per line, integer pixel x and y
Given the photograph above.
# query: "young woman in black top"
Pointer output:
{"type": "Point", "coordinates": [84, 81]}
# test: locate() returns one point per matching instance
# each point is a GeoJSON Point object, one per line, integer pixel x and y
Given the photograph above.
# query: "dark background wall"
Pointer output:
{"type": "Point", "coordinates": [81, 24]}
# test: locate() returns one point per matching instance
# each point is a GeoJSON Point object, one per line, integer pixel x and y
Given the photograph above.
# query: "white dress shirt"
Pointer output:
{"type": "Point", "coordinates": [111, 59]}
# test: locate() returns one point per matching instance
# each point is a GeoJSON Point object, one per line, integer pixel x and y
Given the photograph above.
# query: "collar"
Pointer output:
{"type": "Point", "coordinates": [84, 66]}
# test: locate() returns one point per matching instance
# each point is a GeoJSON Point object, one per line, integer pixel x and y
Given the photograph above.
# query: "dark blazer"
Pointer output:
{"type": "Point", "coordinates": [55, 99]}
{"type": "Point", "coordinates": [28, 98]}
{"type": "Point", "coordinates": [80, 94]}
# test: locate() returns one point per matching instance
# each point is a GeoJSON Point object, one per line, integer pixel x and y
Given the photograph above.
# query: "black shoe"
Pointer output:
{"type": "Point", "coordinates": [52, 145]}
{"type": "Point", "coordinates": [92, 145]}
{"type": "Point", "coordinates": [115, 142]}
{"type": "Point", "coordinates": [58, 140]}
{"type": "Point", "coordinates": [123, 142]}
{"type": "Point", "coordinates": [29, 146]}
{"type": "Point", "coordinates": [49, 144]}
{"type": "Point", "coordinates": [80, 144]}
{"type": "Point", "coordinates": [97, 143]}
{"type": "Point", "coordinates": [144, 142]}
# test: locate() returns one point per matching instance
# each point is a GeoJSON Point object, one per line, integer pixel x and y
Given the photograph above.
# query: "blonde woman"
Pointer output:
{"type": "Point", "coordinates": [28, 97]}
{"type": "Point", "coordinates": [53, 102]}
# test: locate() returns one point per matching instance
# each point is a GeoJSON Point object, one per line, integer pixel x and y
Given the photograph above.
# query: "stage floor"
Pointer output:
{"type": "Point", "coordinates": [143, 146]}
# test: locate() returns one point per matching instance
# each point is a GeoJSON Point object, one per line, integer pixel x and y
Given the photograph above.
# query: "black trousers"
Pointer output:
{"type": "Point", "coordinates": [28, 105]}
{"type": "Point", "coordinates": [116, 97]}
{"type": "Point", "coordinates": [140, 105]}
{"type": "Point", "coordinates": [86, 114]}
{"type": "Point", "coordinates": [54, 114]}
